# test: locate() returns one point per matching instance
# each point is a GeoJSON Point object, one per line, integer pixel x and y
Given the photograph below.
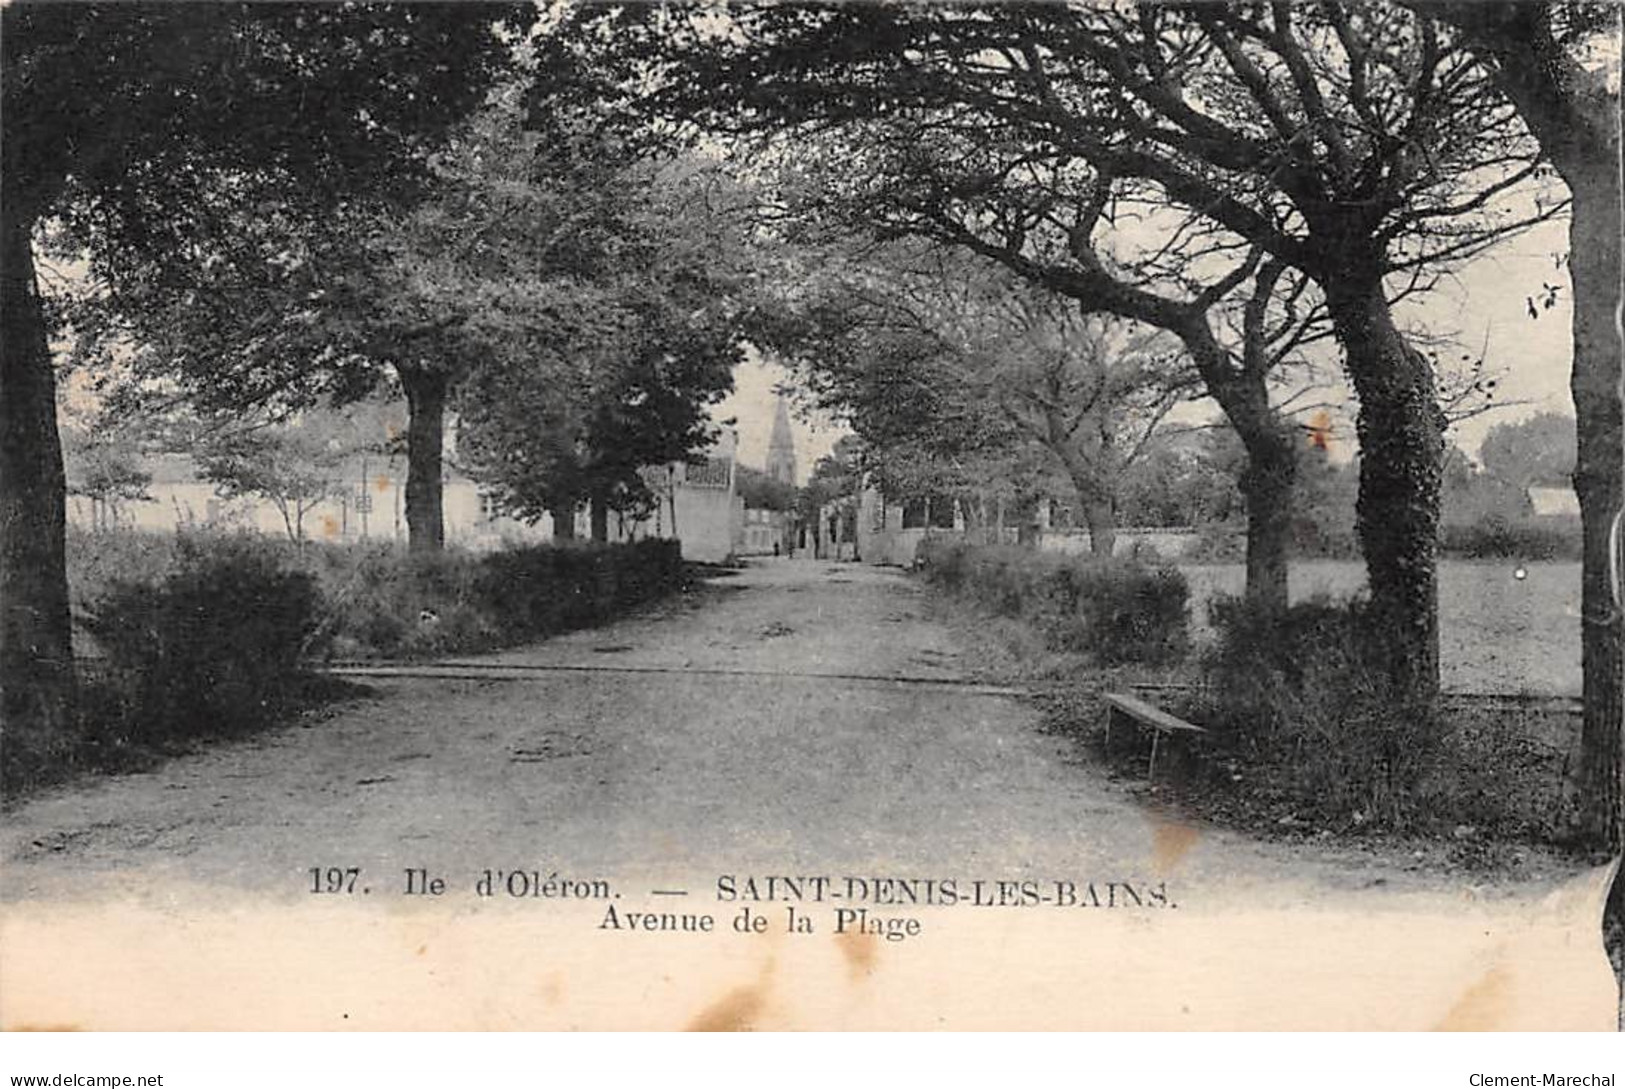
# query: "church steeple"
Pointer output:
{"type": "Point", "coordinates": [781, 447]}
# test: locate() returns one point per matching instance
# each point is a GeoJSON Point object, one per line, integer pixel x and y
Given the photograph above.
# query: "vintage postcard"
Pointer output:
{"type": "Point", "coordinates": [790, 516]}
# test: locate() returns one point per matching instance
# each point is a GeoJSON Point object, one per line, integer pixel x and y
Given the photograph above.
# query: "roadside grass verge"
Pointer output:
{"type": "Point", "coordinates": [1303, 741]}
{"type": "Point", "coordinates": [1115, 610]}
{"type": "Point", "coordinates": [190, 638]}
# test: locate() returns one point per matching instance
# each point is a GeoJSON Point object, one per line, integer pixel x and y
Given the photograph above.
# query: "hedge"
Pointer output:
{"type": "Point", "coordinates": [1118, 609]}
{"type": "Point", "coordinates": [208, 634]}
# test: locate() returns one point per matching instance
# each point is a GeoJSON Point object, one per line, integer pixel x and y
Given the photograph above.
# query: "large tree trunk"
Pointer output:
{"type": "Point", "coordinates": [1575, 116]}
{"type": "Point", "coordinates": [1401, 432]}
{"type": "Point", "coordinates": [36, 650]}
{"type": "Point", "coordinates": [1270, 476]}
{"type": "Point", "coordinates": [1267, 484]}
{"type": "Point", "coordinates": [425, 435]}
{"type": "Point", "coordinates": [1028, 529]}
{"type": "Point", "coordinates": [1100, 517]}
{"type": "Point", "coordinates": [1097, 505]}
{"type": "Point", "coordinates": [1594, 259]}
{"type": "Point", "coordinates": [600, 518]}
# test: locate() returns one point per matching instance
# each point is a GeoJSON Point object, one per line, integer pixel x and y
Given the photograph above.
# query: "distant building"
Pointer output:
{"type": "Point", "coordinates": [767, 532]}
{"type": "Point", "coordinates": [781, 446]}
{"type": "Point", "coordinates": [695, 503]}
{"type": "Point", "coordinates": [890, 532]}
{"type": "Point", "coordinates": [368, 503]}
{"type": "Point", "coordinates": [1556, 502]}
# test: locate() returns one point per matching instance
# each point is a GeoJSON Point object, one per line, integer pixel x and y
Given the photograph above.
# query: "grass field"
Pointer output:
{"type": "Point", "coordinates": [1497, 633]}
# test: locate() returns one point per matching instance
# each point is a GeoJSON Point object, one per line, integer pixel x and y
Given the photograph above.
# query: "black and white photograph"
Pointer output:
{"type": "Point", "coordinates": [811, 516]}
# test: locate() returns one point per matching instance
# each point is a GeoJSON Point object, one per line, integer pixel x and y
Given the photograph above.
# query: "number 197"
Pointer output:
{"type": "Point", "coordinates": [333, 879]}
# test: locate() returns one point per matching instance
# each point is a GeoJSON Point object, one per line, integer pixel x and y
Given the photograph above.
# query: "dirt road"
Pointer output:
{"type": "Point", "coordinates": [797, 718]}
{"type": "Point", "coordinates": [799, 714]}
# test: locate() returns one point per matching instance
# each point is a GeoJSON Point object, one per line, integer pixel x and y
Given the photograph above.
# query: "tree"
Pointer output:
{"type": "Point", "coordinates": [878, 342]}
{"type": "Point", "coordinates": [123, 122]}
{"type": "Point", "coordinates": [958, 355]}
{"type": "Point", "coordinates": [547, 446]}
{"type": "Point", "coordinates": [1186, 478]}
{"type": "Point", "coordinates": [1539, 450]}
{"type": "Point", "coordinates": [1536, 54]}
{"type": "Point", "coordinates": [577, 417]}
{"type": "Point", "coordinates": [763, 492]}
{"type": "Point", "coordinates": [837, 478]}
{"type": "Point", "coordinates": [1241, 344]}
{"type": "Point", "coordinates": [296, 467]}
{"type": "Point", "coordinates": [493, 264]}
{"type": "Point", "coordinates": [1348, 143]}
{"type": "Point", "coordinates": [106, 469]}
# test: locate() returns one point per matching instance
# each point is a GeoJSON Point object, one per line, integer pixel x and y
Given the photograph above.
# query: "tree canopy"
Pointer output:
{"type": "Point", "coordinates": [141, 129]}
{"type": "Point", "coordinates": [1145, 160]}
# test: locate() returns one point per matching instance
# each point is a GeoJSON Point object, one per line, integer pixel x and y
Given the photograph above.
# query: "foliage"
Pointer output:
{"type": "Point", "coordinates": [545, 284]}
{"type": "Point", "coordinates": [1539, 450]}
{"type": "Point", "coordinates": [1496, 537]}
{"type": "Point", "coordinates": [1170, 99]}
{"type": "Point", "coordinates": [541, 591]}
{"type": "Point", "coordinates": [145, 132]}
{"type": "Point", "coordinates": [1301, 712]}
{"type": "Point", "coordinates": [378, 600]}
{"type": "Point", "coordinates": [763, 492]}
{"type": "Point", "coordinates": [216, 171]}
{"type": "Point", "coordinates": [207, 635]}
{"type": "Point", "coordinates": [1239, 139]}
{"type": "Point", "coordinates": [381, 602]}
{"type": "Point", "coordinates": [215, 645]}
{"type": "Point", "coordinates": [964, 379]}
{"type": "Point", "coordinates": [98, 561]}
{"type": "Point", "coordinates": [836, 476]}
{"type": "Point", "coordinates": [107, 470]}
{"type": "Point", "coordinates": [579, 414]}
{"type": "Point", "coordinates": [1299, 688]}
{"type": "Point", "coordinates": [295, 468]}
{"type": "Point", "coordinates": [1185, 479]}
{"type": "Point", "coordinates": [278, 93]}
{"type": "Point", "coordinates": [1117, 609]}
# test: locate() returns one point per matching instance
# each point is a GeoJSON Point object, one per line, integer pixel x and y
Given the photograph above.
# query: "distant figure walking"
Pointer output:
{"type": "Point", "coordinates": [775, 550]}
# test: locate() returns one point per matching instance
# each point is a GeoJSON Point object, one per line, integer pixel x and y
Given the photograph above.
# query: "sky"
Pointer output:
{"type": "Point", "coordinates": [1488, 305]}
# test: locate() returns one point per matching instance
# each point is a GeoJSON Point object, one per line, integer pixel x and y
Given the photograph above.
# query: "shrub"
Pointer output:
{"type": "Point", "coordinates": [214, 646]}
{"type": "Point", "coordinates": [539, 591]}
{"type": "Point", "coordinates": [1218, 542]}
{"type": "Point", "coordinates": [1497, 536]}
{"type": "Point", "coordinates": [383, 602]}
{"type": "Point", "coordinates": [1118, 609]}
{"type": "Point", "coordinates": [97, 560]}
{"type": "Point", "coordinates": [1303, 694]}
{"type": "Point", "coordinates": [206, 634]}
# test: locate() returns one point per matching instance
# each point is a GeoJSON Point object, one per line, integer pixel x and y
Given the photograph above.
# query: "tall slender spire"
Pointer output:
{"type": "Point", "coordinates": [781, 447]}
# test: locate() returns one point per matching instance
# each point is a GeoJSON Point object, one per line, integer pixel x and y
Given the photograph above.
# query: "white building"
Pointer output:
{"type": "Point", "coordinates": [696, 503]}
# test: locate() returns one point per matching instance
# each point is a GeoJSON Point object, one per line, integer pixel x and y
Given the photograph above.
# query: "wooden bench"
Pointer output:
{"type": "Point", "coordinates": [1143, 714]}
